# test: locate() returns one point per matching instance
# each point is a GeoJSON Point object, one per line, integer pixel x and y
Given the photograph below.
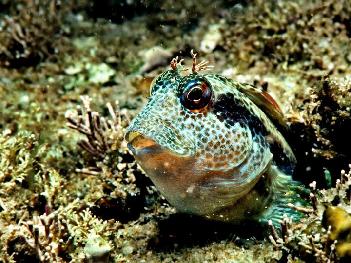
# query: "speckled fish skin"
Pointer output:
{"type": "Point", "coordinates": [225, 161]}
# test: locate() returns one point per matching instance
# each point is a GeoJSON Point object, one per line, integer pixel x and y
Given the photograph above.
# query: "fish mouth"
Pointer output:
{"type": "Point", "coordinates": [140, 144]}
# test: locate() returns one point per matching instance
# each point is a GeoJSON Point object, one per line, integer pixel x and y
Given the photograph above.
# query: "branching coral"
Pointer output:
{"type": "Point", "coordinates": [125, 186]}
{"type": "Point", "coordinates": [32, 35]}
{"type": "Point", "coordinates": [105, 141]}
{"type": "Point", "coordinates": [325, 234]}
{"type": "Point", "coordinates": [16, 159]}
{"type": "Point", "coordinates": [92, 232]}
{"type": "Point", "coordinates": [45, 234]}
{"type": "Point", "coordinates": [61, 234]}
{"type": "Point", "coordinates": [281, 35]}
{"type": "Point", "coordinates": [27, 183]}
{"type": "Point", "coordinates": [323, 129]}
{"type": "Point", "coordinates": [329, 114]}
{"type": "Point", "coordinates": [103, 135]}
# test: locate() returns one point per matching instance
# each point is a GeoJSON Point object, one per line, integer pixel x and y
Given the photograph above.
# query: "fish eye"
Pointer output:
{"type": "Point", "coordinates": [196, 94]}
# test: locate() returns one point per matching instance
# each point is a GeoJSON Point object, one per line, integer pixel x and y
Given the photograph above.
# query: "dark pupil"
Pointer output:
{"type": "Point", "coordinates": [195, 94]}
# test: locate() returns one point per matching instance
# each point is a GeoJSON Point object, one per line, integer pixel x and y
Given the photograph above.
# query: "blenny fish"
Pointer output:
{"type": "Point", "coordinates": [213, 147]}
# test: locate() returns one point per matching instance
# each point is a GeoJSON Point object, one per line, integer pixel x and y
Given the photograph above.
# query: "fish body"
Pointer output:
{"type": "Point", "coordinates": [212, 147]}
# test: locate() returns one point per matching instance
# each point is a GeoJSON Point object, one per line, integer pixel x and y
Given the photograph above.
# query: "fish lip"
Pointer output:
{"type": "Point", "coordinates": [140, 144]}
{"type": "Point", "coordinates": [131, 135]}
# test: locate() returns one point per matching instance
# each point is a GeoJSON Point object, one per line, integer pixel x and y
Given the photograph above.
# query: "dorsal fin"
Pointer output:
{"type": "Point", "coordinates": [265, 102]}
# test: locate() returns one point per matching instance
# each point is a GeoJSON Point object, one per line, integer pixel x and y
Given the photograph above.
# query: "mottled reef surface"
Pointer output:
{"type": "Point", "coordinates": [73, 74]}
